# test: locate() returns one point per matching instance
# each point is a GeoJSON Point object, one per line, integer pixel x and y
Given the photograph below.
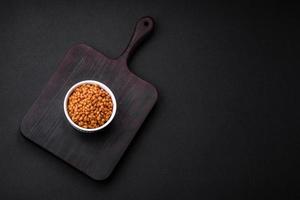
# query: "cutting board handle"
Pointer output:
{"type": "Point", "coordinates": [143, 28]}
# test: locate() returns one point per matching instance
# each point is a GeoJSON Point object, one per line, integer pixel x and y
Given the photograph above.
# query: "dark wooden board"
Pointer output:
{"type": "Point", "coordinates": [94, 154]}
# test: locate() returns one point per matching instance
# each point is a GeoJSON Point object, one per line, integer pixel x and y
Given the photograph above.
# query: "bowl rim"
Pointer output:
{"type": "Point", "coordinates": [102, 85]}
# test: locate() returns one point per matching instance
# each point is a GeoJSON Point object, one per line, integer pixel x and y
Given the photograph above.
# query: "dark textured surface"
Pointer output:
{"type": "Point", "coordinates": [226, 125]}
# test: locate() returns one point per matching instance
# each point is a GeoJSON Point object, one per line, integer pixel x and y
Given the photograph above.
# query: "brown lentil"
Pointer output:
{"type": "Point", "coordinates": [89, 106]}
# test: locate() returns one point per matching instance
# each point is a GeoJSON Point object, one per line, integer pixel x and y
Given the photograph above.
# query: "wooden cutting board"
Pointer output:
{"type": "Point", "coordinates": [94, 154]}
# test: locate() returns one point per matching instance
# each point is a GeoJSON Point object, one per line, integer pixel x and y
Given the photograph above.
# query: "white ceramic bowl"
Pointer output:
{"type": "Point", "coordinates": [89, 130]}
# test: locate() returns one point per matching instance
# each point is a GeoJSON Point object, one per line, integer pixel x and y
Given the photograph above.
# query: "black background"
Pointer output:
{"type": "Point", "coordinates": [226, 125]}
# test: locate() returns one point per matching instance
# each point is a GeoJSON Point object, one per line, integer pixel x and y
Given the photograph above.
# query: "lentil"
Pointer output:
{"type": "Point", "coordinates": [89, 106]}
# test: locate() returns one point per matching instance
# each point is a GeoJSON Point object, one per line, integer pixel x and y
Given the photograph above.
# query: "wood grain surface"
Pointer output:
{"type": "Point", "coordinates": [94, 154]}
